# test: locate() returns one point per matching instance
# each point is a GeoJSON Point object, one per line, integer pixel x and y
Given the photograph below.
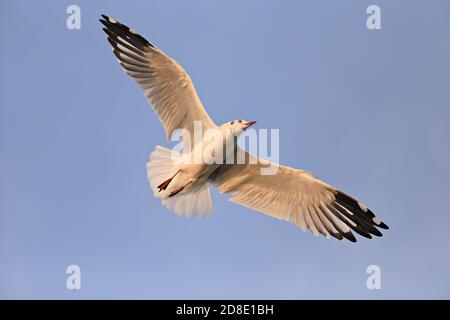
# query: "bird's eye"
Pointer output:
{"type": "Point", "coordinates": [240, 121]}
{"type": "Point", "coordinates": [232, 122]}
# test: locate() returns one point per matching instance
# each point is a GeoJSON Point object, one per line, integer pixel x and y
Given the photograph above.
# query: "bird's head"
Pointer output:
{"type": "Point", "coordinates": [237, 126]}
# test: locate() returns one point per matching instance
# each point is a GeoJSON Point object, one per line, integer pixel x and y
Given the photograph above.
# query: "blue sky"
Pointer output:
{"type": "Point", "coordinates": [366, 111]}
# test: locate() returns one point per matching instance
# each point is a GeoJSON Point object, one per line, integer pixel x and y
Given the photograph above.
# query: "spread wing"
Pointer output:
{"type": "Point", "coordinates": [296, 196]}
{"type": "Point", "coordinates": [168, 88]}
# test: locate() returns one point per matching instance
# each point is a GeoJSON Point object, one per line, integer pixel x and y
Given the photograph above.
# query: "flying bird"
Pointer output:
{"type": "Point", "coordinates": [290, 194]}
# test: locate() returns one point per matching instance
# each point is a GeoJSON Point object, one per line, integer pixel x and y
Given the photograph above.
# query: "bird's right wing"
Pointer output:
{"type": "Point", "coordinates": [296, 196]}
{"type": "Point", "coordinates": [168, 88]}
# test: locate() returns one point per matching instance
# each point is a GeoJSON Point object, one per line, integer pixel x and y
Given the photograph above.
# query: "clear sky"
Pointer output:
{"type": "Point", "coordinates": [365, 110]}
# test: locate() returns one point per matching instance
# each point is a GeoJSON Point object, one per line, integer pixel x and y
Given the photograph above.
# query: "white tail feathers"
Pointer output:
{"type": "Point", "coordinates": [194, 202]}
{"type": "Point", "coordinates": [162, 166]}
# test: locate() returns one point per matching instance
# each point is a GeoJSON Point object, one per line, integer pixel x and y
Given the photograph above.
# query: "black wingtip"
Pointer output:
{"type": "Point", "coordinates": [105, 19]}
{"type": "Point", "coordinates": [383, 226]}
{"type": "Point", "coordinates": [103, 22]}
{"type": "Point", "coordinates": [125, 32]}
{"type": "Point", "coordinates": [367, 217]}
{"type": "Point", "coordinates": [349, 236]}
{"type": "Point", "coordinates": [376, 232]}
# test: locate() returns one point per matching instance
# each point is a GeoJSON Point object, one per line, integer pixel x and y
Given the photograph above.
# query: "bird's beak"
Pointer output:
{"type": "Point", "coordinates": [248, 124]}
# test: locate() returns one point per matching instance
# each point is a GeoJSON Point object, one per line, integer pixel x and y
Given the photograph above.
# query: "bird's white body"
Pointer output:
{"type": "Point", "coordinates": [189, 172]}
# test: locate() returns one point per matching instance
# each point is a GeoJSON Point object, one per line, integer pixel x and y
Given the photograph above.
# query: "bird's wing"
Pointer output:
{"type": "Point", "coordinates": [296, 196]}
{"type": "Point", "coordinates": [168, 88]}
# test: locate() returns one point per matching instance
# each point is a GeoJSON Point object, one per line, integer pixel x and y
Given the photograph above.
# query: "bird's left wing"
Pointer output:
{"type": "Point", "coordinates": [168, 88]}
{"type": "Point", "coordinates": [296, 196]}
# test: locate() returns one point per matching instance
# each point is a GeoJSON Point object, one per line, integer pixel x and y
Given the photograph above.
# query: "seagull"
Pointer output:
{"type": "Point", "coordinates": [290, 194]}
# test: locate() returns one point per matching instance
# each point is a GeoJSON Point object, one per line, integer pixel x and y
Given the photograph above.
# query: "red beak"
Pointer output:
{"type": "Point", "coordinates": [250, 123]}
